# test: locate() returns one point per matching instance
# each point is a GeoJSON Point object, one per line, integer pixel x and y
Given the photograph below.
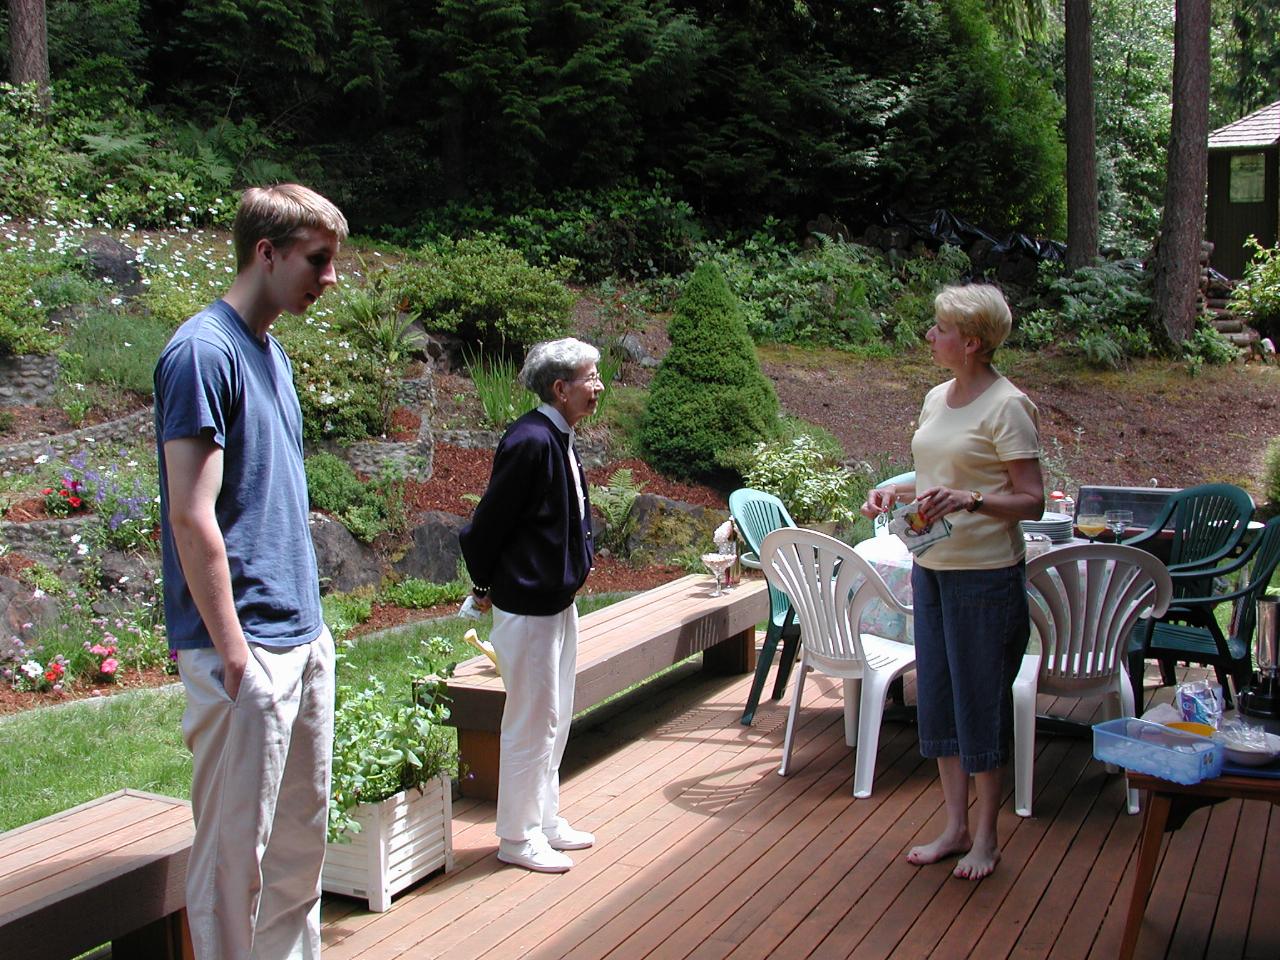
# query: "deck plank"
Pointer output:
{"type": "Point", "coordinates": [704, 852]}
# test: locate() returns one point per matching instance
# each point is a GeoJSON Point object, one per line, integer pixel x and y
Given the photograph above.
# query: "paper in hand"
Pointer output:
{"type": "Point", "coordinates": [909, 526]}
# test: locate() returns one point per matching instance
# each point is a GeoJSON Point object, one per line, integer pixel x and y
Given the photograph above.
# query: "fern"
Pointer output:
{"type": "Point", "coordinates": [614, 503]}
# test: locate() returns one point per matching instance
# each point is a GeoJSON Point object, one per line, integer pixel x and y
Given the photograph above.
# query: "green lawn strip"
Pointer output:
{"type": "Point", "coordinates": [57, 757]}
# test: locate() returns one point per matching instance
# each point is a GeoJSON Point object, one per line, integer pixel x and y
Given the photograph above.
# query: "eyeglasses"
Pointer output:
{"type": "Point", "coordinates": [593, 378]}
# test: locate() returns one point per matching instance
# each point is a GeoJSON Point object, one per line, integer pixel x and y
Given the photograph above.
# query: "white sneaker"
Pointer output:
{"type": "Point", "coordinates": [535, 854]}
{"type": "Point", "coordinates": [564, 837]}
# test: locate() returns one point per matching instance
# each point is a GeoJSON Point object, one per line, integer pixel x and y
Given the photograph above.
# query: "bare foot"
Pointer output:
{"type": "Point", "coordinates": [977, 863]}
{"type": "Point", "coordinates": [945, 846]}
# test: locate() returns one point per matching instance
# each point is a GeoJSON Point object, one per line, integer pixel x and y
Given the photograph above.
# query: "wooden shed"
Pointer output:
{"type": "Point", "coordinates": [1244, 187]}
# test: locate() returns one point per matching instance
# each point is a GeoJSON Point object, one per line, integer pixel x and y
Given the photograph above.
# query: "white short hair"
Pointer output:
{"type": "Point", "coordinates": [554, 360]}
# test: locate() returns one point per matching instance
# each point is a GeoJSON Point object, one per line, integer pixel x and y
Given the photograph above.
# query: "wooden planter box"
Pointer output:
{"type": "Point", "coordinates": [401, 840]}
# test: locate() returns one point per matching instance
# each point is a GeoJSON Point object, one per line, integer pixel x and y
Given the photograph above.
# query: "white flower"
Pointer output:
{"type": "Point", "coordinates": [75, 538]}
{"type": "Point", "coordinates": [43, 458]}
{"type": "Point", "coordinates": [37, 593]}
{"type": "Point", "coordinates": [32, 669]}
{"type": "Point", "coordinates": [83, 549]}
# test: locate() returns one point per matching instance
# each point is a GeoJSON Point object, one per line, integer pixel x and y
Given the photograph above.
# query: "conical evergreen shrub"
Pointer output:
{"type": "Point", "coordinates": [709, 395]}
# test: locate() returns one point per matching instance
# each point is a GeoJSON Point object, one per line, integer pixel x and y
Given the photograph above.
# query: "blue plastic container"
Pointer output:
{"type": "Point", "coordinates": [1152, 748]}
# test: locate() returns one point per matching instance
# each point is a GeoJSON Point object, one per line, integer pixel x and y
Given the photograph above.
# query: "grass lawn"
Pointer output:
{"type": "Point", "coordinates": [57, 757]}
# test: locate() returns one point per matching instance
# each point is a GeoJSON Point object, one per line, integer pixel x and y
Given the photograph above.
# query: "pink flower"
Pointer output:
{"type": "Point", "coordinates": [100, 650]}
{"type": "Point", "coordinates": [109, 666]}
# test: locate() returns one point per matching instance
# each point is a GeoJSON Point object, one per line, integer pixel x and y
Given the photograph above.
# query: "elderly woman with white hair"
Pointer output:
{"type": "Point", "coordinates": [528, 549]}
{"type": "Point", "coordinates": [977, 460]}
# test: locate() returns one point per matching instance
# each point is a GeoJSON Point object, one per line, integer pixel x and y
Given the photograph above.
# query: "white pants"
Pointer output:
{"type": "Point", "coordinates": [538, 657]}
{"type": "Point", "coordinates": [260, 796]}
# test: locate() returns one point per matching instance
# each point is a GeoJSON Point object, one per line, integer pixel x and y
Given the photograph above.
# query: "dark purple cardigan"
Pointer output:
{"type": "Point", "coordinates": [526, 542]}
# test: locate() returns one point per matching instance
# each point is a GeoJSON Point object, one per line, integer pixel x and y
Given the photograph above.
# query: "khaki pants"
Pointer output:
{"type": "Point", "coordinates": [538, 659]}
{"type": "Point", "coordinates": [260, 797]}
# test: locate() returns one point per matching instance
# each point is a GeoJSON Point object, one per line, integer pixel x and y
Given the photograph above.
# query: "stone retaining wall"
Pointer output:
{"type": "Point", "coordinates": [18, 455]}
{"type": "Point", "coordinates": [27, 379]}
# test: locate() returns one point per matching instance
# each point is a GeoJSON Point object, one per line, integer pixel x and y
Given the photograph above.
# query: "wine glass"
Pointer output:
{"type": "Point", "coordinates": [1091, 525]}
{"type": "Point", "coordinates": [717, 563]}
{"type": "Point", "coordinates": [1119, 521]}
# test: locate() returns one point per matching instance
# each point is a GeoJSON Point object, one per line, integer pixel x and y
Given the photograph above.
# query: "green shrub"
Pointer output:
{"type": "Point", "coordinates": [626, 231]}
{"type": "Point", "coordinates": [339, 390]}
{"type": "Point", "coordinates": [34, 164]}
{"type": "Point", "coordinates": [804, 477]}
{"type": "Point", "coordinates": [1271, 472]}
{"type": "Point", "coordinates": [832, 294]}
{"type": "Point", "coordinates": [1100, 312]}
{"type": "Point", "coordinates": [22, 315]}
{"type": "Point", "coordinates": [365, 508]}
{"type": "Point", "coordinates": [486, 293]}
{"type": "Point", "coordinates": [117, 348]}
{"type": "Point", "coordinates": [345, 611]}
{"type": "Point", "coordinates": [1207, 345]}
{"type": "Point", "coordinates": [1256, 298]}
{"type": "Point", "coordinates": [708, 395]}
{"type": "Point", "coordinates": [419, 594]}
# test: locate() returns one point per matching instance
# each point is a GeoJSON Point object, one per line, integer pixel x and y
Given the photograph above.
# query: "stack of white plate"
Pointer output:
{"type": "Point", "coordinates": [1056, 526]}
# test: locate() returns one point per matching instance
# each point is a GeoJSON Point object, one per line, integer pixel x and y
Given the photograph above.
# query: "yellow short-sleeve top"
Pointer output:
{"type": "Point", "coordinates": [966, 448]}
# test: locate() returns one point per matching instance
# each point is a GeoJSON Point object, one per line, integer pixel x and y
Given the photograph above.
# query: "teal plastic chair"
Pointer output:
{"type": "Point", "coordinates": [1190, 632]}
{"type": "Point", "coordinates": [1208, 522]}
{"type": "Point", "coordinates": [756, 514]}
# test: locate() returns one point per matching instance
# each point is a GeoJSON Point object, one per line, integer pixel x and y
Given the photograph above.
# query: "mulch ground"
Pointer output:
{"type": "Point", "coordinates": [15, 701]}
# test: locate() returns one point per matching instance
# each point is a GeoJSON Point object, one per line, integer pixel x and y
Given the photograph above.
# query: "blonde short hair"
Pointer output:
{"type": "Point", "coordinates": [977, 310]}
{"type": "Point", "coordinates": [279, 213]}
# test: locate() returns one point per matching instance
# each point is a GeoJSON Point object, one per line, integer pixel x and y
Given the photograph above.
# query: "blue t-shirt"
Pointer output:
{"type": "Point", "coordinates": [216, 378]}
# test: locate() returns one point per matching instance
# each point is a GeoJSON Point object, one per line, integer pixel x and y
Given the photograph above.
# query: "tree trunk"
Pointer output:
{"type": "Point", "coordinates": [29, 45]}
{"type": "Point", "coordinates": [1176, 266]}
{"type": "Point", "coordinates": [1082, 158]}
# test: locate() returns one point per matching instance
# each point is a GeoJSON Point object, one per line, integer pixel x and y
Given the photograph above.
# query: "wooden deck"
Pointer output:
{"type": "Point", "coordinates": [704, 851]}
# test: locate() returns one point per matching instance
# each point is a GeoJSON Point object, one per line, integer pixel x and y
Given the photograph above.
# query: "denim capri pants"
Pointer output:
{"type": "Point", "coordinates": [971, 630]}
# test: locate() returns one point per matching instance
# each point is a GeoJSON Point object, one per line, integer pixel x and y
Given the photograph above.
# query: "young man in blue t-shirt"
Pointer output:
{"type": "Point", "coordinates": [241, 592]}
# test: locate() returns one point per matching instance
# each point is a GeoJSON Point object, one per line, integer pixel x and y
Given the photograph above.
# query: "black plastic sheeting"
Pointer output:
{"type": "Point", "coordinates": [942, 226]}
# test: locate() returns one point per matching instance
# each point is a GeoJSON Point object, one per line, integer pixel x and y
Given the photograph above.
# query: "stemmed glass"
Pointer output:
{"type": "Point", "coordinates": [1119, 521]}
{"type": "Point", "coordinates": [718, 563]}
{"type": "Point", "coordinates": [1091, 525]}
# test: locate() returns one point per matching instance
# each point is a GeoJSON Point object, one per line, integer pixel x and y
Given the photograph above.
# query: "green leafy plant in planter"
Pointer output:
{"type": "Point", "coordinates": [382, 746]}
{"type": "Point", "coordinates": [803, 476]}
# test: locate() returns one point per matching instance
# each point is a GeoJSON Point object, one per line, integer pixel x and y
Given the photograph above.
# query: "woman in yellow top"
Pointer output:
{"type": "Point", "coordinates": [977, 460]}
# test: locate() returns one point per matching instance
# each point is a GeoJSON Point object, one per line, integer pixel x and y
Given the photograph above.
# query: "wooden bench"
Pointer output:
{"type": "Point", "coordinates": [618, 647]}
{"type": "Point", "coordinates": [110, 870]}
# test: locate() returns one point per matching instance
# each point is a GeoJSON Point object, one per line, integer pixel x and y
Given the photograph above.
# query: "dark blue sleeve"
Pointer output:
{"type": "Point", "coordinates": [195, 390]}
{"type": "Point", "coordinates": [521, 474]}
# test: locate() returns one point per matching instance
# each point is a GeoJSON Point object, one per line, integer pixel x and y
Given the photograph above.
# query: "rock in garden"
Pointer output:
{"type": "Point", "coordinates": [128, 573]}
{"type": "Point", "coordinates": [344, 562]}
{"type": "Point", "coordinates": [434, 553]}
{"type": "Point", "coordinates": [664, 528]}
{"type": "Point", "coordinates": [20, 605]}
{"type": "Point", "coordinates": [111, 260]}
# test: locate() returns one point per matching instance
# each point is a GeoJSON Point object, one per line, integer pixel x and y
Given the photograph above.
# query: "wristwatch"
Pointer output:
{"type": "Point", "coordinates": [976, 505]}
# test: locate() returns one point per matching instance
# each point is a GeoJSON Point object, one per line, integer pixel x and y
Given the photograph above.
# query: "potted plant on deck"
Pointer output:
{"type": "Point", "coordinates": [390, 807]}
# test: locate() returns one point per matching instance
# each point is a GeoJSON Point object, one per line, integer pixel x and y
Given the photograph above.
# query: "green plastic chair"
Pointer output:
{"type": "Point", "coordinates": [1209, 522]}
{"type": "Point", "coordinates": [1189, 631]}
{"type": "Point", "coordinates": [756, 514]}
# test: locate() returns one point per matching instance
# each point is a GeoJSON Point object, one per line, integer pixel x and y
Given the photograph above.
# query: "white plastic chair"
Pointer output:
{"type": "Point", "coordinates": [830, 586]}
{"type": "Point", "coordinates": [1085, 600]}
